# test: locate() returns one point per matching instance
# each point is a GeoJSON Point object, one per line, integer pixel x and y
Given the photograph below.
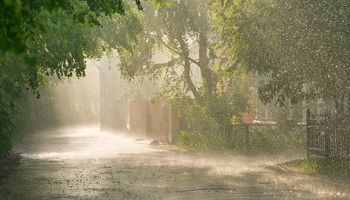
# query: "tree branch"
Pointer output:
{"type": "Point", "coordinates": [176, 51]}
{"type": "Point", "coordinates": [166, 64]}
{"type": "Point", "coordinates": [179, 53]}
{"type": "Point", "coordinates": [191, 86]}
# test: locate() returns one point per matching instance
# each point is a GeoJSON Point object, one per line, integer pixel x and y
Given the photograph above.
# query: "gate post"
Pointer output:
{"type": "Point", "coordinates": [308, 137]}
{"type": "Point", "coordinates": [328, 128]}
{"type": "Point", "coordinates": [247, 142]}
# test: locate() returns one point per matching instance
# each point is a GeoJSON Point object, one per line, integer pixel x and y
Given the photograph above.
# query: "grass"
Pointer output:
{"type": "Point", "coordinates": [334, 169]}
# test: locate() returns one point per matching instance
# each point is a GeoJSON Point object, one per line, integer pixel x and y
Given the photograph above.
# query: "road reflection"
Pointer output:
{"type": "Point", "coordinates": [81, 143]}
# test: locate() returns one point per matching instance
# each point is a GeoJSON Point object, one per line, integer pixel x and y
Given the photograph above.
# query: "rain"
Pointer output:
{"type": "Point", "coordinates": [174, 99]}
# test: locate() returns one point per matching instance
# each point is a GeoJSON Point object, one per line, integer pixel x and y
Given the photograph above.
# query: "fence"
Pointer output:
{"type": "Point", "coordinates": [328, 136]}
{"type": "Point", "coordinates": [272, 137]}
{"type": "Point", "coordinates": [257, 138]}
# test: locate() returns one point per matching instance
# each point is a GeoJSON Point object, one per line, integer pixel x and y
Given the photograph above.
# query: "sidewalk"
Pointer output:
{"type": "Point", "coordinates": [295, 167]}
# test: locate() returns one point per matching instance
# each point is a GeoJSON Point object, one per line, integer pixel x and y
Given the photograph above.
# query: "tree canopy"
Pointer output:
{"type": "Point", "coordinates": [302, 46]}
{"type": "Point", "coordinates": [40, 38]}
{"type": "Point", "coordinates": [175, 47]}
{"type": "Point", "coordinates": [17, 17]}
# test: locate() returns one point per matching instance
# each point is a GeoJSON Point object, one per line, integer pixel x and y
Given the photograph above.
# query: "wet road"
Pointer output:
{"type": "Point", "coordinates": [83, 163]}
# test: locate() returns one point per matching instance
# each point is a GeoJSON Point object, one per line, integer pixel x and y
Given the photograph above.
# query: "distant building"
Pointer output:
{"type": "Point", "coordinates": [158, 121]}
{"type": "Point", "coordinates": [269, 113]}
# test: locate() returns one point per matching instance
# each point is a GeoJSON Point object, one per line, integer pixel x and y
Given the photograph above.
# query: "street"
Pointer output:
{"type": "Point", "coordinates": [84, 163]}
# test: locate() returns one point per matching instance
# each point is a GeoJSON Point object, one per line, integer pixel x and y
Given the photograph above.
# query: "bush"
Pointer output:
{"type": "Point", "coordinates": [215, 123]}
{"type": "Point", "coordinates": [192, 141]}
{"type": "Point", "coordinates": [244, 138]}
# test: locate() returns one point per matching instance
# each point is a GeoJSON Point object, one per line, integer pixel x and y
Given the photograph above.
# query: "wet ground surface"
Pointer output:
{"type": "Point", "coordinates": [83, 163]}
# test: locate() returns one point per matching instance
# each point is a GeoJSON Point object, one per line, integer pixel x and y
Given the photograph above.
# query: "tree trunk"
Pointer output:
{"type": "Point", "coordinates": [187, 74]}
{"type": "Point", "coordinates": [187, 68]}
{"type": "Point", "coordinates": [207, 75]}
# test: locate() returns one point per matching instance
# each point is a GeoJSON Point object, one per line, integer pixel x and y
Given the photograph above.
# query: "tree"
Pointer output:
{"type": "Point", "coordinates": [187, 29]}
{"type": "Point", "coordinates": [303, 46]}
{"type": "Point", "coordinates": [40, 38]}
{"type": "Point", "coordinates": [175, 47]}
{"type": "Point", "coordinates": [16, 17]}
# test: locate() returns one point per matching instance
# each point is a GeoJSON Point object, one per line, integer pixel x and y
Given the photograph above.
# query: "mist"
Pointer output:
{"type": "Point", "coordinates": [185, 99]}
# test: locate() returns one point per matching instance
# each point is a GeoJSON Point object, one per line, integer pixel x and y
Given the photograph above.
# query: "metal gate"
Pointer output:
{"type": "Point", "coordinates": [328, 136]}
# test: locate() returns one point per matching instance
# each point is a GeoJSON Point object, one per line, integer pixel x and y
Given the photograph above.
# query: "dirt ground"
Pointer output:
{"type": "Point", "coordinates": [83, 163]}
